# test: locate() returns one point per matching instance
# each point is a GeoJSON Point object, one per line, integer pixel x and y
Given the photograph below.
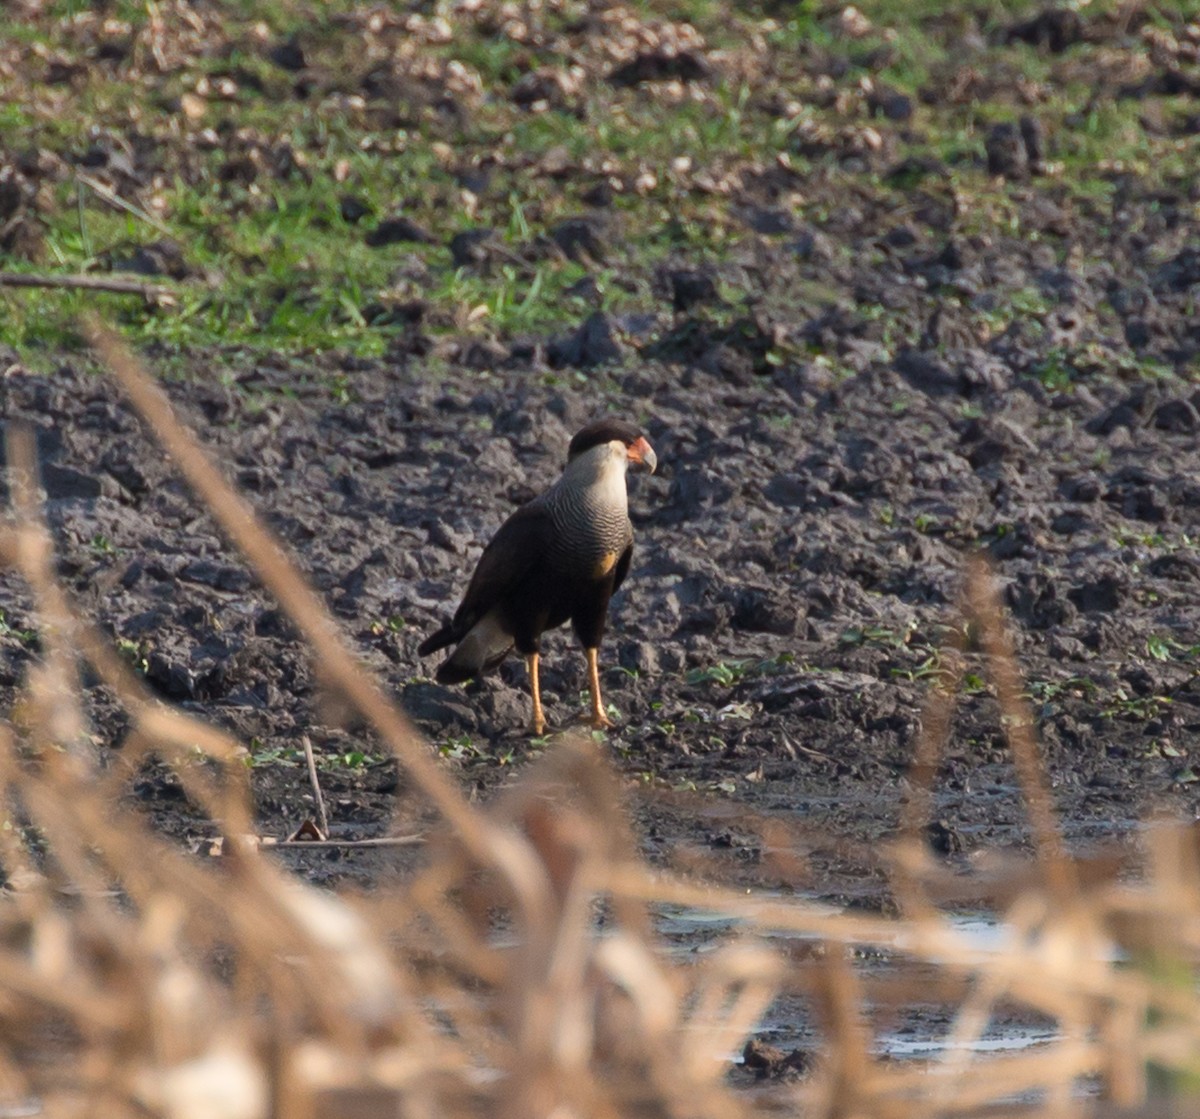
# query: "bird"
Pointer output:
{"type": "Point", "coordinates": [558, 558]}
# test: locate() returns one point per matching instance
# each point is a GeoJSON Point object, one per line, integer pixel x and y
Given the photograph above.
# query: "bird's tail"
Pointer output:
{"type": "Point", "coordinates": [436, 641]}
{"type": "Point", "coordinates": [451, 671]}
{"type": "Point", "coordinates": [483, 647]}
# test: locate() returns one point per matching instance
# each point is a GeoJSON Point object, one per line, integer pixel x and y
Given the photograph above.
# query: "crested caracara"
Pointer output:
{"type": "Point", "coordinates": [559, 557]}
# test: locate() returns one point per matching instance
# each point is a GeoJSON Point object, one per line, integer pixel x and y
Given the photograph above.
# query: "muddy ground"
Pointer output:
{"type": "Point", "coordinates": [797, 557]}
{"type": "Point", "coordinates": [878, 373]}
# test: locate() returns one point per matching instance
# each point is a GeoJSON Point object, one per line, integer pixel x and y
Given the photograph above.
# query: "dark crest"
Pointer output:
{"type": "Point", "coordinates": [602, 431]}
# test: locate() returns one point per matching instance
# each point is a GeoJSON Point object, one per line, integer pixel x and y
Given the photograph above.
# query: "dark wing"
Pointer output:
{"type": "Point", "coordinates": [518, 545]}
{"type": "Point", "coordinates": [622, 568]}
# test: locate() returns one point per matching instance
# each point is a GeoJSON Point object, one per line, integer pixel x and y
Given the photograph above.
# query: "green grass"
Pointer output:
{"type": "Point", "coordinates": [276, 268]}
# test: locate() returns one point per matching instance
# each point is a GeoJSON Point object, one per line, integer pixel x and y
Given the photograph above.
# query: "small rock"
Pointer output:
{"type": "Point", "coordinates": [508, 709]}
{"type": "Point", "coordinates": [790, 491]}
{"type": "Point", "coordinates": [1072, 521]}
{"type": "Point", "coordinates": [1138, 333]}
{"type": "Point", "coordinates": [1084, 488]}
{"type": "Point", "coordinates": [900, 237]}
{"type": "Point", "coordinates": [484, 353]}
{"type": "Point", "coordinates": [132, 574]}
{"type": "Point", "coordinates": [690, 287]}
{"type": "Point", "coordinates": [471, 246]}
{"type": "Point", "coordinates": [729, 364]}
{"type": "Point", "coordinates": [661, 66]}
{"type": "Point", "coordinates": [639, 656]}
{"type": "Point", "coordinates": [392, 231]}
{"type": "Point", "coordinates": [1177, 415]}
{"type": "Point", "coordinates": [439, 706]}
{"type": "Point", "coordinates": [986, 452]}
{"type": "Point", "coordinates": [890, 103]}
{"type": "Point", "coordinates": [1100, 596]}
{"type": "Point", "coordinates": [758, 1055]}
{"type": "Point", "coordinates": [1131, 413]}
{"type": "Point", "coordinates": [170, 679]}
{"type": "Point", "coordinates": [1175, 566]}
{"type": "Point", "coordinates": [761, 611]}
{"type": "Point", "coordinates": [556, 162]}
{"type": "Point", "coordinates": [912, 169]}
{"type": "Point", "coordinates": [1143, 503]}
{"type": "Point", "coordinates": [770, 221]}
{"type": "Point", "coordinates": [219, 576]}
{"type": "Point", "coordinates": [980, 371]}
{"type": "Point", "coordinates": [65, 483]}
{"type": "Point", "coordinates": [353, 208]}
{"type": "Point", "coordinates": [1180, 273]}
{"type": "Point", "coordinates": [592, 344]}
{"type": "Point", "coordinates": [158, 258]}
{"type": "Point", "coordinates": [1036, 601]}
{"type": "Point", "coordinates": [599, 194]}
{"type": "Point", "coordinates": [694, 490]}
{"type": "Point", "coordinates": [1033, 137]}
{"type": "Point", "coordinates": [288, 55]}
{"type": "Point", "coordinates": [811, 244]}
{"type": "Point", "coordinates": [586, 290]}
{"type": "Point", "coordinates": [945, 838]}
{"type": "Point", "coordinates": [537, 87]}
{"type": "Point", "coordinates": [1053, 29]}
{"type": "Point", "coordinates": [442, 535]}
{"type": "Point", "coordinates": [1006, 152]}
{"type": "Point", "coordinates": [927, 372]}
{"type": "Point", "coordinates": [580, 239]}
{"type": "Point", "coordinates": [409, 313]}
{"type": "Point", "coordinates": [769, 1061]}
{"type": "Point", "coordinates": [704, 620]}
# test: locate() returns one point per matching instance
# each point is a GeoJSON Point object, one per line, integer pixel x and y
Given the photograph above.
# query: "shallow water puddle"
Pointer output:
{"type": "Point", "coordinates": [1005, 1039]}
{"type": "Point", "coordinates": [922, 1029]}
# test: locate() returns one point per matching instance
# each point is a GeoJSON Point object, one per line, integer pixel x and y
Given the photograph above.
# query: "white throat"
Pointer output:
{"type": "Point", "coordinates": [601, 473]}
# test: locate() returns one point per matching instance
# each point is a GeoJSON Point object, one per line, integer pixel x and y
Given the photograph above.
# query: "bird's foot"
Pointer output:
{"type": "Point", "coordinates": [537, 728]}
{"type": "Point", "coordinates": [600, 721]}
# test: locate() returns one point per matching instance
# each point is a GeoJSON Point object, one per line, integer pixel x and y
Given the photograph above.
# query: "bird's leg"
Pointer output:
{"type": "Point", "coordinates": [537, 724]}
{"type": "Point", "coordinates": [600, 721]}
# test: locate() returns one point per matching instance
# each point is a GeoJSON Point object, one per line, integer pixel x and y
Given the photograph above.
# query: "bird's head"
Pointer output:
{"type": "Point", "coordinates": [623, 438]}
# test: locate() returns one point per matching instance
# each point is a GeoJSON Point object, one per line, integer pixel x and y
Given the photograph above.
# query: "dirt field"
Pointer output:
{"type": "Point", "coordinates": [796, 560]}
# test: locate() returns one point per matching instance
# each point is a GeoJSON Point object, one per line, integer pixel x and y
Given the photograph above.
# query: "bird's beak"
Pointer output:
{"type": "Point", "coordinates": [642, 454]}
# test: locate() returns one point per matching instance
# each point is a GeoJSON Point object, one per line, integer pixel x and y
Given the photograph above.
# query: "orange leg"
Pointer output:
{"type": "Point", "coordinates": [600, 721]}
{"type": "Point", "coordinates": [537, 724]}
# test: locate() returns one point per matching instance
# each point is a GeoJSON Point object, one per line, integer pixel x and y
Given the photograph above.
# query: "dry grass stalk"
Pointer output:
{"type": "Point", "coordinates": [146, 982]}
{"type": "Point", "coordinates": [1018, 726]}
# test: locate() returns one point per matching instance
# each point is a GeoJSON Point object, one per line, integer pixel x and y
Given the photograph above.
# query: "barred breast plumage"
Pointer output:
{"type": "Point", "coordinates": [590, 513]}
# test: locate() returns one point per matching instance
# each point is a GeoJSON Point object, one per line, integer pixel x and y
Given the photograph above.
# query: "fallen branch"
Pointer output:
{"type": "Point", "coordinates": [348, 844]}
{"type": "Point", "coordinates": [88, 283]}
{"type": "Point", "coordinates": [216, 847]}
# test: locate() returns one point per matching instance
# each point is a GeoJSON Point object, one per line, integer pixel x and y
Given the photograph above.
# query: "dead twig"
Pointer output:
{"type": "Point", "coordinates": [154, 292]}
{"type": "Point", "coordinates": [382, 841]}
{"type": "Point", "coordinates": [322, 818]}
